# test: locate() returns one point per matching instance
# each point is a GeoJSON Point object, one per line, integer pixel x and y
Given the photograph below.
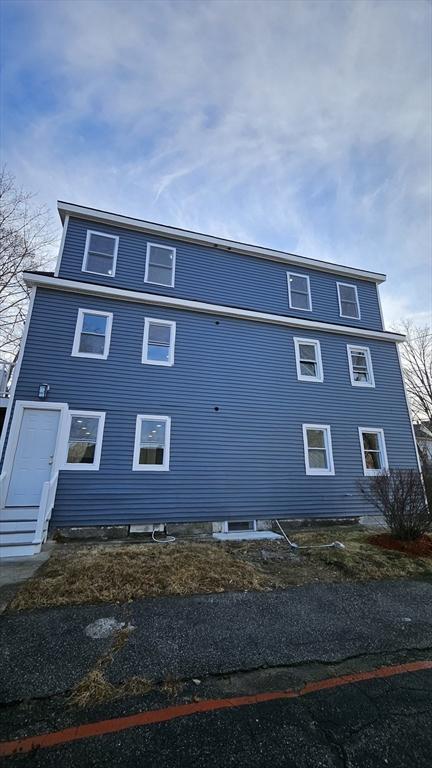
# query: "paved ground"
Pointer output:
{"type": "Point", "coordinates": [227, 646]}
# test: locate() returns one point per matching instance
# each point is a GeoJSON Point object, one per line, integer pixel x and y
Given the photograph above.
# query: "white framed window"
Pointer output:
{"type": "Point", "coordinates": [299, 293]}
{"type": "Point", "coordinates": [360, 366]}
{"type": "Point", "coordinates": [100, 255]}
{"type": "Point", "coordinates": [308, 360]}
{"type": "Point", "coordinates": [373, 450]}
{"type": "Point", "coordinates": [92, 334]}
{"type": "Point", "coordinates": [160, 265]}
{"type": "Point", "coordinates": [348, 301]}
{"type": "Point", "coordinates": [318, 452]}
{"type": "Point", "coordinates": [152, 443]}
{"type": "Point", "coordinates": [159, 341]}
{"type": "Point", "coordinates": [84, 445]}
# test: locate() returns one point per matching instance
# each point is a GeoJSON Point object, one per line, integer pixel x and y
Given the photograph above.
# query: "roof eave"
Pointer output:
{"type": "Point", "coordinates": [153, 228]}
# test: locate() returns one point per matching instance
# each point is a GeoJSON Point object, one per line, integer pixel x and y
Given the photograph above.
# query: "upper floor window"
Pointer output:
{"type": "Point", "coordinates": [92, 334]}
{"type": "Point", "coordinates": [152, 443]}
{"type": "Point", "coordinates": [318, 449]}
{"type": "Point", "coordinates": [348, 301]}
{"type": "Point", "coordinates": [159, 340]}
{"type": "Point", "coordinates": [160, 265]}
{"type": "Point", "coordinates": [100, 254]}
{"type": "Point", "coordinates": [373, 448]}
{"type": "Point", "coordinates": [299, 294]}
{"type": "Point", "coordinates": [360, 366]}
{"type": "Point", "coordinates": [308, 360]}
{"type": "Point", "coordinates": [85, 440]}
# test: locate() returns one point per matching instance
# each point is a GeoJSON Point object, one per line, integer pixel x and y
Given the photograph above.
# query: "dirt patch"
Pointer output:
{"type": "Point", "coordinates": [421, 547]}
{"type": "Point", "coordinates": [111, 573]}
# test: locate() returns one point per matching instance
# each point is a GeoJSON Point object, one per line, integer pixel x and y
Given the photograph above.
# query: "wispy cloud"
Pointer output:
{"type": "Point", "coordinates": [300, 125]}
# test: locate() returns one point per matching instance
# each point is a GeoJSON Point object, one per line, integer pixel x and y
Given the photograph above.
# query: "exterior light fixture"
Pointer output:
{"type": "Point", "coordinates": [43, 391]}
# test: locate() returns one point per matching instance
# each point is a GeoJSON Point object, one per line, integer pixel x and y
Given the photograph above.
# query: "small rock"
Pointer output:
{"type": "Point", "coordinates": [196, 681]}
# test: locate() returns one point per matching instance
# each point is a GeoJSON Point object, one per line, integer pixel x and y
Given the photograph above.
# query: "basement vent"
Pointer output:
{"type": "Point", "coordinates": [147, 528]}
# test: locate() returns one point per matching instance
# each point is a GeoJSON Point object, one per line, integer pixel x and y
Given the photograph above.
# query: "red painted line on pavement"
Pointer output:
{"type": "Point", "coordinates": [197, 707]}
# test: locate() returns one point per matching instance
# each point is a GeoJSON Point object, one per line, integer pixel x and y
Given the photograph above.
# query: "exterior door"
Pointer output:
{"type": "Point", "coordinates": [34, 455]}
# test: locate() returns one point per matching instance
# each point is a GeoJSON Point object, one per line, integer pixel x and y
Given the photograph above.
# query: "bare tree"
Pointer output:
{"type": "Point", "coordinates": [416, 355]}
{"type": "Point", "coordinates": [26, 237]}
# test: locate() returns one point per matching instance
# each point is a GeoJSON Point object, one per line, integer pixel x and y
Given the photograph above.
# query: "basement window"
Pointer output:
{"type": "Point", "coordinates": [236, 526]}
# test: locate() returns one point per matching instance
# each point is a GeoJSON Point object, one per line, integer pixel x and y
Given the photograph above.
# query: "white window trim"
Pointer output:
{"type": "Point", "coordinates": [383, 450]}
{"type": "Point", "coordinates": [91, 232]}
{"type": "Point", "coordinates": [147, 323]}
{"type": "Point", "coordinates": [329, 450]}
{"type": "Point", "coordinates": [299, 274]}
{"type": "Point", "coordinates": [348, 285]}
{"type": "Point", "coordinates": [366, 351]}
{"type": "Point", "coordinates": [320, 373]}
{"type": "Point", "coordinates": [136, 466]}
{"type": "Point", "coordinates": [167, 248]}
{"type": "Point", "coordinates": [99, 439]}
{"type": "Point", "coordinates": [78, 332]}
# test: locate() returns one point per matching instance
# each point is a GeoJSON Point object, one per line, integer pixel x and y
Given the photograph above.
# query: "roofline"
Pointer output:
{"type": "Point", "coordinates": [155, 299]}
{"type": "Point", "coordinates": [93, 214]}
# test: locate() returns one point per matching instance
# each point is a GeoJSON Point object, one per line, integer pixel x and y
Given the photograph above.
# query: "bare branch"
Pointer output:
{"type": "Point", "coordinates": [26, 239]}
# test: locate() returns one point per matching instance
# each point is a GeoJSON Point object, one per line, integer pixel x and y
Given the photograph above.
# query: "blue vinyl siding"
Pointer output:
{"type": "Point", "coordinates": [218, 276]}
{"type": "Point", "coordinates": [245, 460]}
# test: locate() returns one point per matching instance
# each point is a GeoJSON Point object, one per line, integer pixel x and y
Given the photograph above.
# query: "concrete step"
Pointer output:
{"type": "Point", "coordinates": [17, 526]}
{"type": "Point", "coordinates": [19, 550]}
{"type": "Point", "coordinates": [18, 513]}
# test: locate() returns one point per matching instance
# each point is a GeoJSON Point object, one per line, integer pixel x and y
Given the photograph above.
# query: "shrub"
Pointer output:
{"type": "Point", "coordinates": [399, 495]}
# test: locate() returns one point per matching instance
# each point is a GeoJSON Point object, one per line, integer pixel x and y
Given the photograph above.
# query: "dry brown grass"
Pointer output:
{"type": "Point", "coordinates": [111, 573]}
{"type": "Point", "coordinates": [94, 689]}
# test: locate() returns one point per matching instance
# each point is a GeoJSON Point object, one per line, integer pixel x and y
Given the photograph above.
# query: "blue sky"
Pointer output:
{"type": "Point", "coordinates": [303, 126]}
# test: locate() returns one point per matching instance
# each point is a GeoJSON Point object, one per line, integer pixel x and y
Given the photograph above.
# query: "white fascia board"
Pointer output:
{"type": "Point", "coordinates": [92, 214]}
{"type": "Point", "coordinates": [154, 299]}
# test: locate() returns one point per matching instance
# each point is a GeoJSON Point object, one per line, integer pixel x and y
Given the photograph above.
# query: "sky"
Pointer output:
{"type": "Point", "coordinates": [298, 125]}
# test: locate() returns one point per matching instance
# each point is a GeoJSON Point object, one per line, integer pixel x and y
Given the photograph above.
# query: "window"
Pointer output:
{"type": "Point", "coordinates": [160, 265]}
{"type": "Point", "coordinates": [318, 449]}
{"type": "Point", "coordinates": [152, 443]}
{"type": "Point", "coordinates": [374, 454]}
{"type": "Point", "coordinates": [299, 294]}
{"type": "Point", "coordinates": [85, 440]}
{"type": "Point", "coordinates": [100, 254]}
{"type": "Point", "coordinates": [348, 301]}
{"type": "Point", "coordinates": [159, 340]}
{"type": "Point", "coordinates": [308, 360]}
{"type": "Point", "coordinates": [238, 526]}
{"type": "Point", "coordinates": [92, 334]}
{"type": "Point", "coordinates": [360, 366]}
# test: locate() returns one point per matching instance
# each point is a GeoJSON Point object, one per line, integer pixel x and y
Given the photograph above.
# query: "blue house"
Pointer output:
{"type": "Point", "coordinates": [168, 376]}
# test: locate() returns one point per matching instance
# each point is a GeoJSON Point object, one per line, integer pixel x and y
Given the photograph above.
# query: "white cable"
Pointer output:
{"type": "Point", "coordinates": [336, 544]}
{"type": "Point", "coordinates": [166, 540]}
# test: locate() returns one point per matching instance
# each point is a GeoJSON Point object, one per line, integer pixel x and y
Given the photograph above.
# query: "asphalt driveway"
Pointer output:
{"type": "Point", "coordinates": [229, 646]}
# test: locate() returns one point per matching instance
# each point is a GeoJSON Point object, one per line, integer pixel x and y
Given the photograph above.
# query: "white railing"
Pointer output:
{"type": "Point", "coordinates": [49, 490]}
{"type": "Point", "coordinates": [2, 490]}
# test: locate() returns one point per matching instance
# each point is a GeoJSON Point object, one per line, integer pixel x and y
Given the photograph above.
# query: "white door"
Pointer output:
{"type": "Point", "coordinates": [34, 456]}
